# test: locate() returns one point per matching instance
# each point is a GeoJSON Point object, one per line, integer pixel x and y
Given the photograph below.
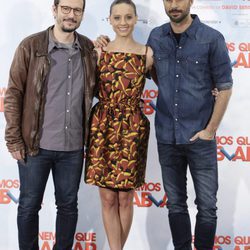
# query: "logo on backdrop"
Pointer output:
{"type": "Point", "coordinates": [83, 241]}
{"type": "Point", "coordinates": [7, 188]}
{"type": "Point", "coordinates": [231, 148]}
{"type": "Point", "coordinates": [142, 20]}
{"type": "Point", "coordinates": [222, 7]}
{"type": "Point", "coordinates": [241, 52]}
{"type": "Point", "coordinates": [2, 94]}
{"type": "Point", "coordinates": [235, 243]}
{"type": "Point", "coordinates": [238, 15]}
{"type": "Point", "coordinates": [150, 194]}
{"type": "Point", "coordinates": [149, 96]}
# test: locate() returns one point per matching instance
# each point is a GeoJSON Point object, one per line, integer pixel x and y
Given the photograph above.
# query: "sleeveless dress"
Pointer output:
{"type": "Point", "coordinates": [119, 131]}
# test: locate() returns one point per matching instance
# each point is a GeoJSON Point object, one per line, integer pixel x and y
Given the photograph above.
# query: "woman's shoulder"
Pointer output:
{"type": "Point", "coordinates": [99, 52]}
{"type": "Point", "coordinates": [140, 48]}
{"type": "Point", "coordinates": [144, 49]}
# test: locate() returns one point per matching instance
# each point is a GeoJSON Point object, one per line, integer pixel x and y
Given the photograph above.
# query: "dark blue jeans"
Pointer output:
{"type": "Point", "coordinates": [66, 170]}
{"type": "Point", "coordinates": [201, 157]}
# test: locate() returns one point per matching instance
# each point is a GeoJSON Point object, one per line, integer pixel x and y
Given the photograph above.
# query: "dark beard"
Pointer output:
{"type": "Point", "coordinates": [180, 19]}
{"type": "Point", "coordinates": [68, 30]}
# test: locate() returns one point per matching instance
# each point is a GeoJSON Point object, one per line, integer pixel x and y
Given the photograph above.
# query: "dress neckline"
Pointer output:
{"type": "Point", "coordinates": [122, 52]}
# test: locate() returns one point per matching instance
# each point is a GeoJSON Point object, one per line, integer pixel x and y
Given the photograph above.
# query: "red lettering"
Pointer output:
{"type": "Point", "coordinates": [147, 109]}
{"type": "Point", "coordinates": [242, 61]}
{"type": "Point", "coordinates": [150, 187]}
{"type": "Point", "coordinates": [244, 47]}
{"type": "Point", "coordinates": [158, 187]}
{"type": "Point", "coordinates": [9, 184]}
{"type": "Point", "coordinates": [144, 201]}
{"type": "Point", "coordinates": [231, 47]}
{"type": "Point", "coordinates": [229, 7]}
{"type": "Point", "coordinates": [47, 236]}
{"type": "Point", "coordinates": [243, 140]}
{"type": "Point", "coordinates": [150, 94]}
{"type": "Point", "coordinates": [244, 248]}
{"type": "Point", "coordinates": [78, 246]}
{"type": "Point", "coordinates": [242, 240]}
{"type": "Point", "coordinates": [239, 154]}
{"type": "Point", "coordinates": [222, 240]}
{"type": "Point", "coordinates": [224, 140]}
{"type": "Point", "coordinates": [45, 246]}
{"type": "Point", "coordinates": [85, 236]}
{"type": "Point", "coordinates": [220, 155]}
{"type": "Point", "coordinates": [90, 246]}
{"type": "Point", "coordinates": [4, 198]}
{"type": "Point", "coordinates": [142, 188]}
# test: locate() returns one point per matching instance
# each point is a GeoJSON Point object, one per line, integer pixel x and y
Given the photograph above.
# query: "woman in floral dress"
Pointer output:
{"type": "Point", "coordinates": [119, 132]}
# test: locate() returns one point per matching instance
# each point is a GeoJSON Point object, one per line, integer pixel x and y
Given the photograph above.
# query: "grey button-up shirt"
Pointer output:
{"type": "Point", "coordinates": [62, 128]}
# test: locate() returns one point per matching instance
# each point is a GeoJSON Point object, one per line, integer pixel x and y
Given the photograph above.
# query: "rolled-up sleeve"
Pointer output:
{"type": "Point", "coordinates": [220, 64]}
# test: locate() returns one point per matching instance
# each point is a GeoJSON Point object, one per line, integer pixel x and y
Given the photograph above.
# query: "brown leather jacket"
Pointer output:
{"type": "Point", "coordinates": [25, 95]}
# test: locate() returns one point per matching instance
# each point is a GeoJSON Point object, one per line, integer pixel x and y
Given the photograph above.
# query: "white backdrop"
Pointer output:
{"type": "Point", "coordinates": [150, 230]}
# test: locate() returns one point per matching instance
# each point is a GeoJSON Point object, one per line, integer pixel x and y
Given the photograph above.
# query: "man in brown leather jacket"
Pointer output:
{"type": "Point", "coordinates": [47, 107]}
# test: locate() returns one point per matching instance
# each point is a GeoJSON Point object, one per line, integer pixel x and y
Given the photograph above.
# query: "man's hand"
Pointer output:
{"type": "Point", "coordinates": [18, 155]}
{"type": "Point", "coordinates": [203, 135]}
{"type": "Point", "coordinates": [101, 41]}
{"type": "Point", "coordinates": [220, 106]}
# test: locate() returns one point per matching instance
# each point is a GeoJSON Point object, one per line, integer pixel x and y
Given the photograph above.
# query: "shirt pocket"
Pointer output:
{"type": "Point", "coordinates": [197, 67]}
{"type": "Point", "coordinates": [161, 63]}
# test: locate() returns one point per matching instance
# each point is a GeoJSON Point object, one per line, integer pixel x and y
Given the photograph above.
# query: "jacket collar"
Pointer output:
{"type": "Point", "coordinates": [43, 43]}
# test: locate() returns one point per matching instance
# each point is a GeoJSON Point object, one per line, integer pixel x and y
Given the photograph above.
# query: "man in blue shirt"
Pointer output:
{"type": "Point", "coordinates": [190, 59]}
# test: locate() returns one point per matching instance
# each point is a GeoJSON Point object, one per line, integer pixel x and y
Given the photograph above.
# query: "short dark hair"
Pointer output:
{"type": "Point", "coordinates": [56, 2]}
{"type": "Point", "coordinates": [129, 2]}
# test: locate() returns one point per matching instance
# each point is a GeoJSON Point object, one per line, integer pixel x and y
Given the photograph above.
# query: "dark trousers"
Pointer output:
{"type": "Point", "coordinates": [201, 157]}
{"type": "Point", "coordinates": [66, 171]}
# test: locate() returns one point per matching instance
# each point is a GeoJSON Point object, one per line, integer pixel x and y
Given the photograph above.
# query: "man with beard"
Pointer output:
{"type": "Point", "coordinates": [47, 107]}
{"type": "Point", "coordinates": [190, 59]}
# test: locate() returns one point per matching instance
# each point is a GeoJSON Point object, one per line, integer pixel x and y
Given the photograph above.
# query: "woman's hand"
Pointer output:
{"type": "Point", "coordinates": [215, 93]}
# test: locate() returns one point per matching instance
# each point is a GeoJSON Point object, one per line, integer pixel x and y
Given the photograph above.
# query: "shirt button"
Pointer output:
{"type": "Point", "coordinates": [176, 119]}
{"type": "Point", "coordinates": [68, 93]}
{"type": "Point", "coordinates": [176, 90]}
{"type": "Point", "coordinates": [196, 62]}
{"type": "Point", "coordinates": [66, 127]}
{"type": "Point", "coordinates": [178, 61]}
{"type": "Point", "coordinates": [67, 111]}
{"type": "Point", "coordinates": [176, 104]}
{"type": "Point", "coordinates": [69, 76]}
{"type": "Point", "coordinates": [180, 47]}
{"type": "Point", "coordinates": [69, 59]}
{"type": "Point", "coordinates": [177, 76]}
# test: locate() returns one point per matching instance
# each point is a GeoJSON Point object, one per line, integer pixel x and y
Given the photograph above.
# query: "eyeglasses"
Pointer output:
{"type": "Point", "coordinates": [67, 10]}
